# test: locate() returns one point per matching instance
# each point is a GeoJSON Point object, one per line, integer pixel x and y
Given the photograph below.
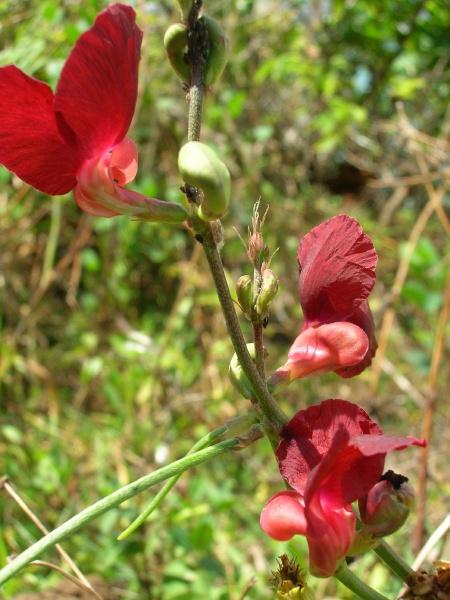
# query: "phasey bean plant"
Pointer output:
{"type": "Point", "coordinates": [334, 490]}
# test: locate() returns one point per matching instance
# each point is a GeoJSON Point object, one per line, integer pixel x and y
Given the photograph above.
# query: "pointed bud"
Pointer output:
{"type": "Point", "coordinates": [200, 167]}
{"type": "Point", "coordinates": [175, 43]}
{"type": "Point", "coordinates": [238, 377]}
{"type": "Point", "coordinates": [218, 50]}
{"type": "Point", "coordinates": [244, 292]}
{"type": "Point", "coordinates": [387, 505]}
{"type": "Point", "coordinates": [185, 7]}
{"type": "Point", "coordinates": [269, 289]}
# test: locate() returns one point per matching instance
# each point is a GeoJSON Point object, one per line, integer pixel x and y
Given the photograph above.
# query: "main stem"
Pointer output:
{"type": "Point", "coordinates": [270, 409]}
{"type": "Point", "coordinates": [101, 506]}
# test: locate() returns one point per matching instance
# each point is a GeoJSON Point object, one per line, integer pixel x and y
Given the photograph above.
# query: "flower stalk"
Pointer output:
{"type": "Point", "coordinates": [395, 563]}
{"type": "Point", "coordinates": [353, 583]}
{"type": "Point", "coordinates": [111, 501]}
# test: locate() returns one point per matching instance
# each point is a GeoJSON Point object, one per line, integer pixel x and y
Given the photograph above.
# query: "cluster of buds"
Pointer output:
{"type": "Point", "coordinates": [254, 302]}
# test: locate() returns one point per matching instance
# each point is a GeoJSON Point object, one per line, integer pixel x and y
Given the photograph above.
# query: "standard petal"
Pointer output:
{"type": "Point", "coordinates": [30, 143]}
{"type": "Point", "coordinates": [96, 93]}
{"type": "Point", "coordinates": [326, 348]}
{"type": "Point", "coordinates": [283, 516]}
{"type": "Point", "coordinates": [337, 269]}
{"type": "Point", "coordinates": [310, 434]}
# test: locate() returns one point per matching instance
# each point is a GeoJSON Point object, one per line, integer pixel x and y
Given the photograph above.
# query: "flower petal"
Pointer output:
{"type": "Point", "coordinates": [283, 516]}
{"type": "Point", "coordinates": [96, 94]}
{"type": "Point", "coordinates": [329, 347]}
{"type": "Point", "coordinates": [310, 434]}
{"type": "Point", "coordinates": [30, 143]}
{"type": "Point", "coordinates": [337, 269]}
{"type": "Point", "coordinates": [362, 317]}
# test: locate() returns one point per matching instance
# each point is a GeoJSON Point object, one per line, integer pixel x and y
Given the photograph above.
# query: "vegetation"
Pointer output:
{"type": "Point", "coordinates": [113, 352]}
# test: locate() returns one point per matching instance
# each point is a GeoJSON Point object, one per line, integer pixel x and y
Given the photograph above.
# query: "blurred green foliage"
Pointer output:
{"type": "Point", "coordinates": [113, 354]}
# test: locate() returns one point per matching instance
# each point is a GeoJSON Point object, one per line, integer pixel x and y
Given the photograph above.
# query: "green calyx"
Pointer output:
{"type": "Point", "coordinates": [159, 211]}
{"type": "Point", "coordinates": [269, 289]}
{"type": "Point", "coordinates": [200, 167]}
{"type": "Point", "coordinates": [218, 50]}
{"type": "Point", "coordinates": [175, 43]}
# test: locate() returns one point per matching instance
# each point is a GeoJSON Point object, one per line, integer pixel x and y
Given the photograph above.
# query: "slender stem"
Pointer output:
{"type": "Point", "coordinates": [353, 583]}
{"type": "Point", "coordinates": [111, 501]}
{"type": "Point", "coordinates": [203, 442]}
{"type": "Point", "coordinates": [271, 410]}
{"type": "Point", "coordinates": [395, 563]}
{"type": "Point", "coordinates": [259, 349]}
{"type": "Point", "coordinates": [266, 403]}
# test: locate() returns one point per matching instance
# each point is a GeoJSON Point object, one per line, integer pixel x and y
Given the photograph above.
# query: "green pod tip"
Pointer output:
{"type": "Point", "coordinates": [175, 44]}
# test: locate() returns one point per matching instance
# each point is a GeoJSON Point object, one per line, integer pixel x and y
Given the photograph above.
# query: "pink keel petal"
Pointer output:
{"type": "Point", "coordinates": [324, 348]}
{"type": "Point", "coordinates": [123, 165]}
{"type": "Point", "coordinates": [283, 516]}
{"type": "Point", "coordinates": [30, 143]}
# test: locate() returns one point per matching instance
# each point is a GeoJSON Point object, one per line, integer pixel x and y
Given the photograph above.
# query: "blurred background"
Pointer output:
{"type": "Point", "coordinates": [113, 351]}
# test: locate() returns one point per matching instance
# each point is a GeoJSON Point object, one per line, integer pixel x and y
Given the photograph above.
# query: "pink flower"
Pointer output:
{"type": "Point", "coordinates": [331, 455]}
{"type": "Point", "coordinates": [337, 273]}
{"type": "Point", "coordinates": [74, 139]}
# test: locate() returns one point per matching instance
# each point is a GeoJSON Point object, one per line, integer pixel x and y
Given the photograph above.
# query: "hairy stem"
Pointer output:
{"type": "Point", "coordinates": [266, 403]}
{"type": "Point", "coordinates": [111, 501]}
{"type": "Point", "coordinates": [270, 409]}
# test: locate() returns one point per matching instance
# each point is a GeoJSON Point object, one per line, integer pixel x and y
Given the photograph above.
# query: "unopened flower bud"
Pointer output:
{"type": "Point", "coordinates": [218, 50]}
{"type": "Point", "coordinates": [244, 292]}
{"type": "Point", "coordinates": [175, 43]}
{"type": "Point", "coordinates": [237, 376]}
{"type": "Point", "coordinates": [256, 245]}
{"type": "Point", "coordinates": [269, 289]}
{"type": "Point", "coordinates": [387, 505]}
{"type": "Point", "coordinates": [200, 167]}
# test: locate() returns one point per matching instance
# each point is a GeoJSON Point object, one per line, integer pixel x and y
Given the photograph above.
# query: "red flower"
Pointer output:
{"type": "Point", "coordinates": [75, 138]}
{"type": "Point", "coordinates": [331, 455]}
{"type": "Point", "coordinates": [337, 273]}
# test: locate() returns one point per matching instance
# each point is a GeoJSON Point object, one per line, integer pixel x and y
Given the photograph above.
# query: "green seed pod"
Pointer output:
{"type": "Point", "coordinates": [200, 167]}
{"type": "Point", "coordinates": [244, 292]}
{"type": "Point", "coordinates": [175, 43]}
{"type": "Point", "coordinates": [269, 289]}
{"type": "Point", "coordinates": [218, 50]}
{"type": "Point", "coordinates": [238, 377]}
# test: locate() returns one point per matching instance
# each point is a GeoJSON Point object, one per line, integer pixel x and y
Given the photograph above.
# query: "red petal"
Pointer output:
{"type": "Point", "coordinates": [30, 143]}
{"type": "Point", "coordinates": [337, 261]}
{"type": "Point", "coordinates": [310, 434]}
{"type": "Point", "coordinates": [96, 93]}
{"type": "Point", "coordinates": [283, 516]}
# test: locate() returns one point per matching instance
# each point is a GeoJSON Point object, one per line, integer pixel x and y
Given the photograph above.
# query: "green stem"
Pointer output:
{"type": "Point", "coordinates": [274, 415]}
{"type": "Point", "coordinates": [204, 442]}
{"type": "Point", "coordinates": [52, 241]}
{"type": "Point", "coordinates": [395, 563]}
{"type": "Point", "coordinates": [266, 403]}
{"type": "Point", "coordinates": [101, 506]}
{"type": "Point", "coordinates": [353, 583]}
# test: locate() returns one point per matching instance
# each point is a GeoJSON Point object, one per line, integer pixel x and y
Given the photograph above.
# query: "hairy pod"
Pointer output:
{"type": "Point", "coordinates": [175, 43]}
{"type": "Point", "coordinates": [218, 50]}
{"type": "Point", "coordinates": [200, 167]}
